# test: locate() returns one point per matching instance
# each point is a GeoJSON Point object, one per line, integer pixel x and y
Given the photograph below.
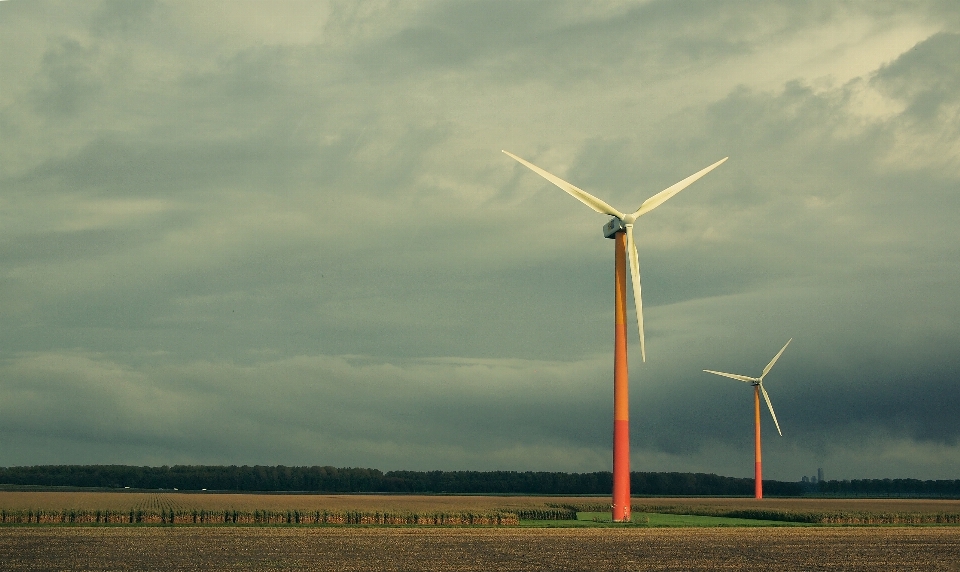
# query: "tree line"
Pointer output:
{"type": "Point", "coordinates": [890, 487]}
{"type": "Point", "coordinates": [360, 480]}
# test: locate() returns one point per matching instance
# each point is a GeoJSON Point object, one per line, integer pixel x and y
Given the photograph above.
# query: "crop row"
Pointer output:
{"type": "Point", "coordinates": [173, 516]}
{"type": "Point", "coordinates": [157, 503]}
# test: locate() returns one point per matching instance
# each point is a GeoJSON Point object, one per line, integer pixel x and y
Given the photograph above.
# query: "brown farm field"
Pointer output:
{"type": "Point", "coordinates": [466, 548]}
{"type": "Point", "coordinates": [30, 548]}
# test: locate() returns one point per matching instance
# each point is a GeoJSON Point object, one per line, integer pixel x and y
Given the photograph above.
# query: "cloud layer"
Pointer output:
{"type": "Point", "coordinates": [239, 233]}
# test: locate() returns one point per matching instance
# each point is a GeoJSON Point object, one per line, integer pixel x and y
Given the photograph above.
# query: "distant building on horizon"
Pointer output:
{"type": "Point", "coordinates": [819, 475]}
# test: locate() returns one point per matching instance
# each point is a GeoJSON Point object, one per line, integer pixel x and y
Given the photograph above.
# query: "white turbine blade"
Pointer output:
{"type": "Point", "coordinates": [770, 407]}
{"type": "Point", "coordinates": [733, 375]}
{"type": "Point", "coordinates": [635, 274]}
{"type": "Point", "coordinates": [583, 196]}
{"type": "Point", "coordinates": [661, 197]}
{"type": "Point", "coordinates": [775, 358]}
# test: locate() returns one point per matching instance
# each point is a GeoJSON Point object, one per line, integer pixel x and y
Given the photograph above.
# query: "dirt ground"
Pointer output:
{"type": "Point", "coordinates": [481, 549]}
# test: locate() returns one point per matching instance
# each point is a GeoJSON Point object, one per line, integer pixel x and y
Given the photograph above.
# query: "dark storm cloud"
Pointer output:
{"type": "Point", "coordinates": [884, 360]}
{"type": "Point", "coordinates": [326, 400]}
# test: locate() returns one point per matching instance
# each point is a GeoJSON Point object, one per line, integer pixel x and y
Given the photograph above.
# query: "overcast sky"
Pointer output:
{"type": "Point", "coordinates": [284, 233]}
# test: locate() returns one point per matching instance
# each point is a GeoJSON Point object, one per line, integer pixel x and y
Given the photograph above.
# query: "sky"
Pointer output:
{"type": "Point", "coordinates": [285, 233]}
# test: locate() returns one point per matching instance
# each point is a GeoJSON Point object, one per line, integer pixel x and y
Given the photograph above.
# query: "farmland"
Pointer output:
{"type": "Point", "coordinates": [815, 511]}
{"type": "Point", "coordinates": [54, 507]}
{"type": "Point", "coordinates": [51, 507]}
{"type": "Point", "coordinates": [225, 501]}
{"type": "Point", "coordinates": [468, 549]}
{"type": "Point", "coordinates": [413, 503]}
{"type": "Point", "coordinates": [184, 508]}
{"type": "Point", "coordinates": [667, 541]}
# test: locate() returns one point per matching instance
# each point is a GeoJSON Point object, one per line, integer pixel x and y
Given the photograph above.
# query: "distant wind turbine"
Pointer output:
{"type": "Point", "coordinates": [620, 228]}
{"type": "Point", "coordinates": [757, 390]}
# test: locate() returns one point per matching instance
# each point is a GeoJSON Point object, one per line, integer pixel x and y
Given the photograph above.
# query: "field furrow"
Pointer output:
{"type": "Point", "coordinates": [429, 549]}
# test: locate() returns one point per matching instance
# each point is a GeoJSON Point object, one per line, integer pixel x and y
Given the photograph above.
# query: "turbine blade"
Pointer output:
{"type": "Point", "coordinates": [733, 375]}
{"type": "Point", "coordinates": [661, 197]}
{"type": "Point", "coordinates": [775, 358]}
{"type": "Point", "coordinates": [770, 407]}
{"type": "Point", "coordinates": [583, 196]}
{"type": "Point", "coordinates": [637, 299]}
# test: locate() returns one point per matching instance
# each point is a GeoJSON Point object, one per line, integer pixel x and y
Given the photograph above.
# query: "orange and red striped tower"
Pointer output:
{"type": "Point", "coordinates": [757, 472]}
{"type": "Point", "coordinates": [621, 394]}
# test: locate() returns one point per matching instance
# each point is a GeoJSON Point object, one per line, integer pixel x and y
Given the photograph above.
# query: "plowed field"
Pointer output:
{"type": "Point", "coordinates": [480, 549]}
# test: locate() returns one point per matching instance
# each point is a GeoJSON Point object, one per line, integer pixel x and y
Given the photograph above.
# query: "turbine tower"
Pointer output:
{"type": "Point", "coordinates": [620, 228]}
{"type": "Point", "coordinates": [757, 390]}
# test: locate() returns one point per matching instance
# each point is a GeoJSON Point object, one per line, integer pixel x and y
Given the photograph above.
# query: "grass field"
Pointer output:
{"type": "Point", "coordinates": [479, 549]}
{"type": "Point", "coordinates": [814, 511]}
{"type": "Point", "coordinates": [655, 520]}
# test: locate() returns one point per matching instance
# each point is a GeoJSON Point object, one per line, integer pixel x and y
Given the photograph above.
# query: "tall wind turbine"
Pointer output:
{"type": "Point", "coordinates": [757, 390]}
{"type": "Point", "coordinates": [620, 228]}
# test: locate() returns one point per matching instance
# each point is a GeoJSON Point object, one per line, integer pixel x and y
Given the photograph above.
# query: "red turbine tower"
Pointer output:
{"type": "Point", "coordinates": [620, 228]}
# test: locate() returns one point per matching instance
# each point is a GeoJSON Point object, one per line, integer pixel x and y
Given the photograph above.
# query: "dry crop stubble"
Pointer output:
{"type": "Point", "coordinates": [58, 507]}
{"type": "Point", "coordinates": [469, 549]}
{"type": "Point", "coordinates": [52, 507]}
{"type": "Point", "coordinates": [56, 500]}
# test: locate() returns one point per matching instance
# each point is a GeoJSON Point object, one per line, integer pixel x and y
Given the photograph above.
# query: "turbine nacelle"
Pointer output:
{"type": "Point", "coordinates": [611, 229]}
